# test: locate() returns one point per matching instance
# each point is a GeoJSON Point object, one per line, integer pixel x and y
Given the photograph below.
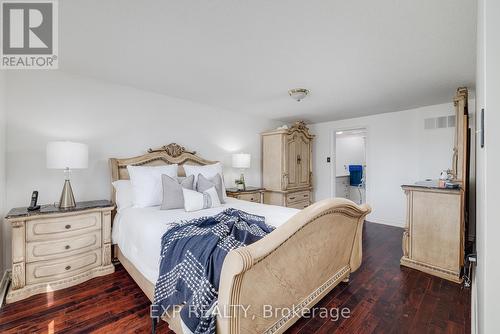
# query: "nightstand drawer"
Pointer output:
{"type": "Point", "coordinates": [46, 271]}
{"type": "Point", "coordinates": [47, 250]}
{"type": "Point", "coordinates": [250, 197]}
{"type": "Point", "coordinates": [299, 196]}
{"type": "Point", "coordinates": [299, 205]}
{"type": "Point", "coordinates": [64, 227]}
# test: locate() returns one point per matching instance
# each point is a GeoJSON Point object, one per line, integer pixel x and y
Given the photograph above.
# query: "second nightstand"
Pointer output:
{"type": "Point", "coordinates": [54, 249]}
{"type": "Point", "coordinates": [251, 194]}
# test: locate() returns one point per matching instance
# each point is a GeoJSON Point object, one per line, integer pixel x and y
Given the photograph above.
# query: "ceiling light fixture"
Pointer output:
{"type": "Point", "coordinates": [298, 93]}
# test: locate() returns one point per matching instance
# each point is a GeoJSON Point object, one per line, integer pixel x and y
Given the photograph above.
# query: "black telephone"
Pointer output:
{"type": "Point", "coordinates": [34, 199]}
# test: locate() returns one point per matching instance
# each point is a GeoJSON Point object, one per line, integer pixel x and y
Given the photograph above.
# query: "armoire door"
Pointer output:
{"type": "Point", "coordinates": [291, 154]}
{"type": "Point", "coordinates": [303, 161]}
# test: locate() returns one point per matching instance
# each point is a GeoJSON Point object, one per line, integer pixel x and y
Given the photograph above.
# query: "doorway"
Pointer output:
{"type": "Point", "coordinates": [350, 164]}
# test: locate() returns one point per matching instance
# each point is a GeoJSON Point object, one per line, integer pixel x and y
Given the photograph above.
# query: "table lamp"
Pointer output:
{"type": "Point", "coordinates": [67, 156]}
{"type": "Point", "coordinates": [241, 161]}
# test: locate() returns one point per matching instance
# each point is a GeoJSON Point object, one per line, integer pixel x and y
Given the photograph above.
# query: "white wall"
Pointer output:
{"type": "Point", "coordinates": [398, 151]}
{"type": "Point", "coordinates": [115, 121]}
{"type": "Point", "coordinates": [488, 166]}
{"type": "Point", "coordinates": [350, 151]}
{"type": "Point", "coordinates": [3, 137]}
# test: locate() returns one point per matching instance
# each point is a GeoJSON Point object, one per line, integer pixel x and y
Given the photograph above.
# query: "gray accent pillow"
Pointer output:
{"type": "Point", "coordinates": [172, 191]}
{"type": "Point", "coordinates": [204, 184]}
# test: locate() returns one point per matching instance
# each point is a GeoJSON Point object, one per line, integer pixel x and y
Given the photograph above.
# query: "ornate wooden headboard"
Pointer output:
{"type": "Point", "coordinates": [165, 155]}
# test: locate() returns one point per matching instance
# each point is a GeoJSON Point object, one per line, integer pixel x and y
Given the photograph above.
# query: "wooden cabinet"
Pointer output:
{"type": "Point", "coordinates": [287, 166]}
{"type": "Point", "coordinates": [55, 249]}
{"type": "Point", "coordinates": [433, 240]}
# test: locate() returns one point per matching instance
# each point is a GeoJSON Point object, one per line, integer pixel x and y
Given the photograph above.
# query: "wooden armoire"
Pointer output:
{"type": "Point", "coordinates": [287, 166]}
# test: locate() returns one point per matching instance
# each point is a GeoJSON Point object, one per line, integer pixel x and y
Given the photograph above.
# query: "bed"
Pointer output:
{"type": "Point", "coordinates": [292, 268]}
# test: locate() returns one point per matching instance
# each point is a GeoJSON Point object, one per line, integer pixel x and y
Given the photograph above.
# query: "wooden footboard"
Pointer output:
{"type": "Point", "coordinates": [265, 286]}
{"type": "Point", "coordinates": [290, 269]}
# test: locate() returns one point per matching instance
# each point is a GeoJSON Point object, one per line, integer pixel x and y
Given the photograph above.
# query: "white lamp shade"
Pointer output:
{"type": "Point", "coordinates": [241, 160]}
{"type": "Point", "coordinates": [65, 154]}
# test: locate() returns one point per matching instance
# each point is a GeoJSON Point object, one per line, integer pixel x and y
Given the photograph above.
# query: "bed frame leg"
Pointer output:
{"type": "Point", "coordinates": [346, 280]}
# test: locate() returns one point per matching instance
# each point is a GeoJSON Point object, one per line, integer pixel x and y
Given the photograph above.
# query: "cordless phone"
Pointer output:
{"type": "Point", "coordinates": [34, 199]}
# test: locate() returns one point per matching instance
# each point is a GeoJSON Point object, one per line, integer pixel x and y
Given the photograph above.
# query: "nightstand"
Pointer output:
{"type": "Point", "coordinates": [251, 194]}
{"type": "Point", "coordinates": [54, 249]}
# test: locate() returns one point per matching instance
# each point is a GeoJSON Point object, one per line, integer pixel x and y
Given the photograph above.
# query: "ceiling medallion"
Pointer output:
{"type": "Point", "coordinates": [298, 94]}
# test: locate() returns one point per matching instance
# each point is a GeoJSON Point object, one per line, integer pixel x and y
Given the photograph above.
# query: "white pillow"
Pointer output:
{"type": "Point", "coordinates": [124, 195]}
{"type": "Point", "coordinates": [208, 171]}
{"type": "Point", "coordinates": [146, 183]}
{"type": "Point", "coordinates": [194, 201]}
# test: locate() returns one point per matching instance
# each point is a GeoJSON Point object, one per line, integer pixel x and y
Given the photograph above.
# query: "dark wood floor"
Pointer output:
{"type": "Point", "coordinates": [382, 298]}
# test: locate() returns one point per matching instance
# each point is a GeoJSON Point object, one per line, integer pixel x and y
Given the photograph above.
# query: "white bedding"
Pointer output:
{"type": "Point", "coordinates": [138, 231]}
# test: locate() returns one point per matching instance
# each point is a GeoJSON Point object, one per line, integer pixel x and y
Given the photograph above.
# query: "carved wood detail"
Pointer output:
{"type": "Point", "coordinates": [18, 276]}
{"type": "Point", "coordinates": [17, 224]}
{"type": "Point", "coordinates": [405, 243]}
{"type": "Point", "coordinates": [341, 275]}
{"type": "Point", "coordinates": [106, 254]}
{"type": "Point", "coordinates": [300, 126]}
{"type": "Point", "coordinates": [173, 149]}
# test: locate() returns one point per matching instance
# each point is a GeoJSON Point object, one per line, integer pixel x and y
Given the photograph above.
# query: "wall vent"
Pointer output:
{"type": "Point", "coordinates": [439, 122]}
{"type": "Point", "coordinates": [451, 121]}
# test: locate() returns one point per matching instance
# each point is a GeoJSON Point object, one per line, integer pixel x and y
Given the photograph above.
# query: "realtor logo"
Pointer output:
{"type": "Point", "coordinates": [29, 34]}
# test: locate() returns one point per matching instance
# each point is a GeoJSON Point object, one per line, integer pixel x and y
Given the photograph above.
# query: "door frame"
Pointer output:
{"type": "Point", "coordinates": [333, 157]}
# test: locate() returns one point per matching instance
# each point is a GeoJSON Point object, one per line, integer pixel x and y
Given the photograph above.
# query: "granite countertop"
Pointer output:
{"type": "Point", "coordinates": [51, 208]}
{"type": "Point", "coordinates": [429, 184]}
{"type": "Point", "coordinates": [249, 188]}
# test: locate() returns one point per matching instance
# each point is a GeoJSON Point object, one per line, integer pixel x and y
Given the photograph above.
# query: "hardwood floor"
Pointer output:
{"type": "Point", "coordinates": [382, 298]}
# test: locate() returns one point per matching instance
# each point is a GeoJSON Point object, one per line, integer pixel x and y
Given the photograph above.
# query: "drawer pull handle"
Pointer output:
{"type": "Point", "coordinates": [251, 198]}
{"type": "Point", "coordinates": [67, 227]}
{"type": "Point", "coordinates": [67, 247]}
{"type": "Point", "coordinates": [292, 198]}
{"type": "Point", "coordinates": [306, 195]}
{"type": "Point", "coordinates": [67, 268]}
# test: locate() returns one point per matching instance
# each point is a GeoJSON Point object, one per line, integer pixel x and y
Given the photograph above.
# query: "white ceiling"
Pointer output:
{"type": "Point", "coordinates": [357, 57]}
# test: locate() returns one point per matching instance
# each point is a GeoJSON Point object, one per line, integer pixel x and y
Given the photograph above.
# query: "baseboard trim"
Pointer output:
{"type": "Point", "coordinates": [386, 222]}
{"type": "Point", "coordinates": [473, 305]}
{"type": "Point", "coordinates": [4, 284]}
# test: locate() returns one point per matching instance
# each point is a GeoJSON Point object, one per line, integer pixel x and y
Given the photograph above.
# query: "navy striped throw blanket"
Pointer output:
{"type": "Point", "coordinates": [192, 255]}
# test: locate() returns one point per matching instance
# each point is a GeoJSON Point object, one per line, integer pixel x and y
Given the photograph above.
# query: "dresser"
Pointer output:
{"type": "Point", "coordinates": [287, 166]}
{"type": "Point", "coordinates": [251, 194]}
{"type": "Point", "coordinates": [436, 218]}
{"type": "Point", "coordinates": [54, 249]}
{"type": "Point", "coordinates": [433, 240]}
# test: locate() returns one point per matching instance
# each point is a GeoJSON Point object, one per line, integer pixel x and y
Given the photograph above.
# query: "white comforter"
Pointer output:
{"type": "Point", "coordinates": [138, 231]}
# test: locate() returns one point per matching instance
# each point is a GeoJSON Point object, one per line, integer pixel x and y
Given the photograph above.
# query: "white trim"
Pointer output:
{"type": "Point", "coordinates": [474, 329]}
{"type": "Point", "coordinates": [386, 222]}
{"type": "Point", "coordinates": [4, 284]}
